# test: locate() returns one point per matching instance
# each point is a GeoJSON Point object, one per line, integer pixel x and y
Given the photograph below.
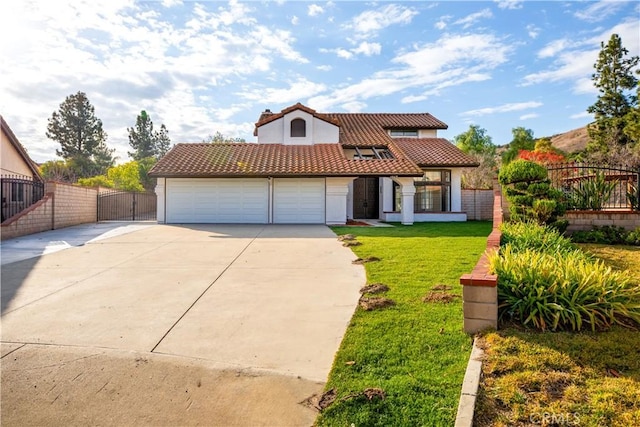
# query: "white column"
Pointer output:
{"type": "Point", "coordinates": [160, 187]}
{"type": "Point", "coordinates": [408, 190]}
{"type": "Point", "coordinates": [337, 189]}
{"type": "Point", "coordinates": [456, 190]}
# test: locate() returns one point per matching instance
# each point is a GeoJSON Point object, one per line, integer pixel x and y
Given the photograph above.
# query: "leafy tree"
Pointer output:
{"type": "Point", "coordinates": [615, 81]}
{"type": "Point", "coordinates": [144, 166]}
{"type": "Point", "coordinates": [475, 141]}
{"type": "Point", "coordinates": [96, 181]}
{"type": "Point", "coordinates": [522, 140]}
{"type": "Point", "coordinates": [122, 177]}
{"type": "Point", "coordinates": [632, 123]}
{"type": "Point", "coordinates": [57, 170]}
{"type": "Point", "coordinates": [219, 138]}
{"type": "Point", "coordinates": [126, 176]}
{"type": "Point", "coordinates": [145, 141]}
{"type": "Point", "coordinates": [81, 137]}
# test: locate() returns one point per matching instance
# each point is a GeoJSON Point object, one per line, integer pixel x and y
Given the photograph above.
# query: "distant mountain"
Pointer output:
{"type": "Point", "coordinates": [572, 141]}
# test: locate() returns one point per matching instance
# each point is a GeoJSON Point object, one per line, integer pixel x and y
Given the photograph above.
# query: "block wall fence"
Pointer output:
{"type": "Point", "coordinates": [63, 205]}
{"type": "Point", "coordinates": [478, 204]}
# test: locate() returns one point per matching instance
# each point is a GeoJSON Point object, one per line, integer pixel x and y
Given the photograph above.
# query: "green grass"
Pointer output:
{"type": "Point", "coordinates": [416, 352]}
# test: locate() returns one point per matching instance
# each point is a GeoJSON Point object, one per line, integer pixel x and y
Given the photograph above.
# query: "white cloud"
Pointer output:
{"type": "Point", "coordinates": [314, 10]}
{"type": "Point", "coordinates": [369, 23]}
{"type": "Point", "coordinates": [343, 53]}
{"type": "Point", "coordinates": [553, 48]}
{"type": "Point", "coordinates": [505, 108]}
{"type": "Point", "coordinates": [533, 31]}
{"type": "Point", "coordinates": [364, 48]}
{"type": "Point", "coordinates": [598, 11]}
{"type": "Point", "coordinates": [509, 4]}
{"type": "Point", "coordinates": [574, 59]}
{"type": "Point", "coordinates": [368, 49]}
{"type": "Point", "coordinates": [300, 87]}
{"type": "Point", "coordinates": [295, 20]}
{"type": "Point", "coordinates": [529, 116]}
{"type": "Point", "coordinates": [324, 67]}
{"type": "Point", "coordinates": [354, 107]}
{"type": "Point", "coordinates": [450, 61]}
{"type": "Point", "coordinates": [469, 20]}
{"type": "Point", "coordinates": [171, 3]}
{"type": "Point", "coordinates": [581, 115]}
{"type": "Point", "coordinates": [442, 22]}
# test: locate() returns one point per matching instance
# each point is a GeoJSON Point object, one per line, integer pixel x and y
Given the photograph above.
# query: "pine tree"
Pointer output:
{"type": "Point", "coordinates": [80, 135]}
{"type": "Point", "coordinates": [145, 141]}
{"type": "Point", "coordinates": [615, 81]}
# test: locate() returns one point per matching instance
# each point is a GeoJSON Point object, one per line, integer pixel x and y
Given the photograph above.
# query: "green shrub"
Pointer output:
{"type": "Point", "coordinates": [633, 238]}
{"type": "Point", "coordinates": [592, 193]}
{"type": "Point", "coordinates": [606, 235]}
{"type": "Point", "coordinates": [521, 236]}
{"type": "Point", "coordinates": [530, 193]}
{"type": "Point", "coordinates": [521, 171]}
{"type": "Point", "coordinates": [564, 290]}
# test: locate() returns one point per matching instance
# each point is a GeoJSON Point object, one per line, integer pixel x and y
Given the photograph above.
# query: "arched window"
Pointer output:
{"type": "Point", "coordinates": [298, 128]}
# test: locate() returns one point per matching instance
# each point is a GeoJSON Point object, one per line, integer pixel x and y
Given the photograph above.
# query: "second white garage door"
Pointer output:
{"type": "Point", "coordinates": [298, 200]}
{"type": "Point", "coordinates": [217, 200]}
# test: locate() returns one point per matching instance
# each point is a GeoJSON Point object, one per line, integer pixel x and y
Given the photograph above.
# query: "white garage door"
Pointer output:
{"type": "Point", "coordinates": [217, 200]}
{"type": "Point", "coordinates": [298, 200]}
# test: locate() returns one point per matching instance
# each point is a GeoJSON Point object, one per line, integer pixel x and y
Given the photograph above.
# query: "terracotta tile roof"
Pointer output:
{"type": "Point", "coordinates": [365, 129]}
{"type": "Point", "coordinates": [247, 159]}
{"type": "Point", "coordinates": [433, 152]}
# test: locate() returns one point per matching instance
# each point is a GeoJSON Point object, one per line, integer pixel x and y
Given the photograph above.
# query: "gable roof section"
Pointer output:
{"type": "Point", "coordinates": [268, 118]}
{"type": "Point", "coordinates": [13, 140]}
{"type": "Point", "coordinates": [428, 152]}
{"type": "Point", "coordinates": [263, 160]}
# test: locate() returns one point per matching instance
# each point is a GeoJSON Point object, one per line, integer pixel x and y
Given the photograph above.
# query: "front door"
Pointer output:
{"type": "Point", "coordinates": [365, 198]}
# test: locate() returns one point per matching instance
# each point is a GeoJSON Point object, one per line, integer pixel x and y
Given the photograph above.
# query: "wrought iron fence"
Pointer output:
{"type": "Point", "coordinates": [117, 205]}
{"type": "Point", "coordinates": [597, 187]}
{"type": "Point", "coordinates": [18, 193]}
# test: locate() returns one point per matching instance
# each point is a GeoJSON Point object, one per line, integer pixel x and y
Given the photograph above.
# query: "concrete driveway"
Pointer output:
{"type": "Point", "coordinates": [202, 324]}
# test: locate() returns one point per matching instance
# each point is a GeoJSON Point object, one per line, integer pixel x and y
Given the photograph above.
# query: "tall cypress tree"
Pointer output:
{"type": "Point", "coordinates": [615, 81]}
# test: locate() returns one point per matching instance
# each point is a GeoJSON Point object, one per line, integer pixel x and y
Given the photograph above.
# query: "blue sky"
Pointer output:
{"type": "Point", "coordinates": [202, 67]}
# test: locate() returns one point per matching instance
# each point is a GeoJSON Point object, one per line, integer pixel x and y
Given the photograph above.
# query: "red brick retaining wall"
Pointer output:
{"type": "Point", "coordinates": [479, 291]}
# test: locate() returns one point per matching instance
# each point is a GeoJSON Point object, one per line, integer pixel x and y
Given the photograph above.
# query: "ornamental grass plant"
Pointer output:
{"type": "Point", "coordinates": [546, 282]}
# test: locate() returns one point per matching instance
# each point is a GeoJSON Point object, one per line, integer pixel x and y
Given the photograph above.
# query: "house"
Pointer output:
{"type": "Point", "coordinates": [21, 184]}
{"type": "Point", "coordinates": [314, 168]}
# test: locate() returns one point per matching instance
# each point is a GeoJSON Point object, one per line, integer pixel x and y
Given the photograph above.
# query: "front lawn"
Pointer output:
{"type": "Point", "coordinates": [414, 351]}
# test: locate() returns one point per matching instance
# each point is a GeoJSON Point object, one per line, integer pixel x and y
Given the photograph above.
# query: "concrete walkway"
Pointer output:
{"type": "Point", "coordinates": [165, 325]}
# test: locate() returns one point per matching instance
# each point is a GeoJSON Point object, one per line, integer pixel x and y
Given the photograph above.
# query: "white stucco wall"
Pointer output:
{"type": "Point", "coordinates": [160, 193]}
{"type": "Point", "coordinates": [317, 131]}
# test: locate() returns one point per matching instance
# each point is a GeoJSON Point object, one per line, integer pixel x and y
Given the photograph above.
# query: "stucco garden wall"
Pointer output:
{"type": "Point", "coordinates": [64, 205]}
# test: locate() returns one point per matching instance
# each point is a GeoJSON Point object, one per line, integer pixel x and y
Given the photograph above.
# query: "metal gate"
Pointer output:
{"type": "Point", "coordinates": [116, 205]}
